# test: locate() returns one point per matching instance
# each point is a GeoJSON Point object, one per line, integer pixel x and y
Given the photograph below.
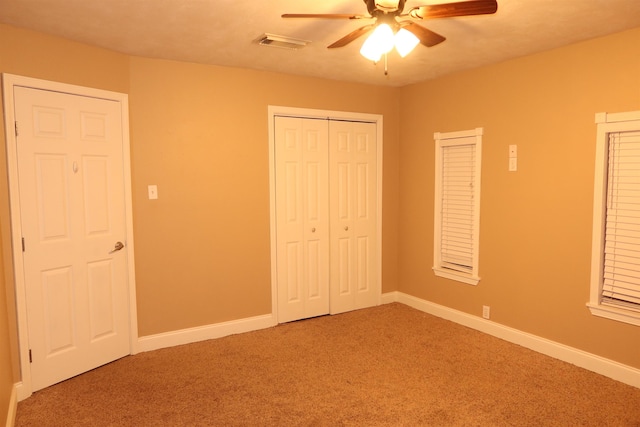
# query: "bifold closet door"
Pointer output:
{"type": "Point", "coordinates": [326, 204]}
{"type": "Point", "coordinates": [302, 217]}
{"type": "Point", "coordinates": [353, 210]}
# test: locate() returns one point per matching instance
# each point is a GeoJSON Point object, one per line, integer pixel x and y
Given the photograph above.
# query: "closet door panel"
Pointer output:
{"type": "Point", "coordinates": [353, 215]}
{"type": "Point", "coordinates": [302, 248]}
{"type": "Point", "coordinates": [365, 215]}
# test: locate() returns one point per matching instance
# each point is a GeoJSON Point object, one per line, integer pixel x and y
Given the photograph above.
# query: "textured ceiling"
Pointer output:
{"type": "Point", "coordinates": [223, 32]}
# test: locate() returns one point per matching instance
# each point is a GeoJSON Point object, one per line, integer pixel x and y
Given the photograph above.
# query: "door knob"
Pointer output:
{"type": "Point", "coordinates": [313, 230]}
{"type": "Point", "coordinates": [117, 247]}
{"type": "Point", "coordinates": [346, 228]}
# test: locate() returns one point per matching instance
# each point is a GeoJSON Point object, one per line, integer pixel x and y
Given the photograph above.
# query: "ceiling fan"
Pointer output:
{"type": "Point", "coordinates": [391, 13]}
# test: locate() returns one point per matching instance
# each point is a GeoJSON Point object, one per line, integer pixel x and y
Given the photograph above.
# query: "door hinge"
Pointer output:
{"type": "Point", "coordinates": [30, 359]}
{"type": "Point", "coordinates": [23, 244]}
{"type": "Point", "coordinates": [16, 127]}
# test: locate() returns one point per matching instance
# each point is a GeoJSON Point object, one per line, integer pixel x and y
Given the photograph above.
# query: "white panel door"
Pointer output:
{"type": "Point", "coordinates": [353, 210]}
{"type": "Point", "coordinates": [71, 185]}
{"type": "Point", "coordinates": [302, 223]}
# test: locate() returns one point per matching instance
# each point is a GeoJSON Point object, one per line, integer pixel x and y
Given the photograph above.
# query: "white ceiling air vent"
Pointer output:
{"type": "Point", "coordinates": [282, 42]}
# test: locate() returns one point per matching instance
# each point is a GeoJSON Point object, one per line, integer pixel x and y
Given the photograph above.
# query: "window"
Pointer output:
{"type": "Point", "coordinates": [457, 205]}
{"type": "Point", "coordinates": [615, 262]}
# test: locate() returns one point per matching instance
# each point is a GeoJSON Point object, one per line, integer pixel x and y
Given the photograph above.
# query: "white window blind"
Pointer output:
{"type": "Point", "coordinates": [621, 278]}
{"type": "Point", "coordinates": [457, 205]}
{"type": "Point", "coordinates": [457, 215]}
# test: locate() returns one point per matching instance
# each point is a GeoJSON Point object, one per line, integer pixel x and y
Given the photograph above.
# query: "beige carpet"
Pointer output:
{"type": "Point", "coordinates": [385, 366]}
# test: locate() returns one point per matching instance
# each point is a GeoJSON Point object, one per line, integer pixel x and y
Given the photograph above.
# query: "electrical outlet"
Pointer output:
{"type": "Point", "coordinates": [486, 311]}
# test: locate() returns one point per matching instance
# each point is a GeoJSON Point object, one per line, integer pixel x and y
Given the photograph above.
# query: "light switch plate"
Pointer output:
{"type": "Point", "coordinates": [153, 192]}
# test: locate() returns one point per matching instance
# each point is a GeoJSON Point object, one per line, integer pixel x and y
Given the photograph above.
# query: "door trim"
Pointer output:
{"type": "Point", "coordinates": [24, 388]}
{"type": "Point", "coordinates": [273, 111]}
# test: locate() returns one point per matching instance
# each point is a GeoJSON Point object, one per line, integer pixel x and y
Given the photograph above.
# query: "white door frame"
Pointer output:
{"type": "Point", "coordinates": [24, 387]}
{"type": "Point", "coordinates": [274, 111]}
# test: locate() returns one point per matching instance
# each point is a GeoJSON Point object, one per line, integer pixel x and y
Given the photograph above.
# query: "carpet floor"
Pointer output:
{"type": "Point", "coordinates": [390, 365]}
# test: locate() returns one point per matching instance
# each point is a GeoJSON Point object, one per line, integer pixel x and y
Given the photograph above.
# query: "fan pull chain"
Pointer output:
{"type": "Point", "coordinates": [386, 70]}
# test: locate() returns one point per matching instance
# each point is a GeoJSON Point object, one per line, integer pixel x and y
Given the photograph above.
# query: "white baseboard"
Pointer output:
{"type": "Point", "coordinates": [389, 297]}
{"type": "Point", "coordinates": [22, 391]}
{"type": "Point", "coordinates": [13, 406]}
{"type": "Point", "coordinates": [202, 333]}
{"type": "Point", "coordinates": [609, 368]}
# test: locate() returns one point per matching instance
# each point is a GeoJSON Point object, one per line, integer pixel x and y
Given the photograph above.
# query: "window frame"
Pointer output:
{"type": "Point", "coordinates": [449, 139]}
{"type": "Point", "coordinates": [607, 123]}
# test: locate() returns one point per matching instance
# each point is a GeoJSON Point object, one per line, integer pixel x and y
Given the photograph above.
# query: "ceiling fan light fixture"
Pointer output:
{"type": "Point", "coordinates": [381, 41]}
{"type": "Point", "coordinates": [371, 52]}
{"type": "Point", "coordinates": [405, 42]}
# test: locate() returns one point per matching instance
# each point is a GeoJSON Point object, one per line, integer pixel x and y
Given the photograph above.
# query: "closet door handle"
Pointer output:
{"type": "Point", "coordinates": [313, 230]}
{"type": "Point", "coordinates": [346, 228]}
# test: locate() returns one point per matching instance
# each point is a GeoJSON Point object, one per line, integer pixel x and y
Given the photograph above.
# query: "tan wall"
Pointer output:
{"type": "Point", "coordinates": [6, 366]}
{"type": "Point", "coordinates": [200, 134]}
{"type": "Point", "coordinates": [536, 223]}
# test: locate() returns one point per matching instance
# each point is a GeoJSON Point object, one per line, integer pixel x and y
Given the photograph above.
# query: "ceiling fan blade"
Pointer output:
{"type": "Point", "coordinates": [426, 37]}
{"type": "Point", "coordinates": [448, 10]}
{"type": "Point", "coordinates": [352, 36]}
{"type": "Point", "coordinates": [325, 15]}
